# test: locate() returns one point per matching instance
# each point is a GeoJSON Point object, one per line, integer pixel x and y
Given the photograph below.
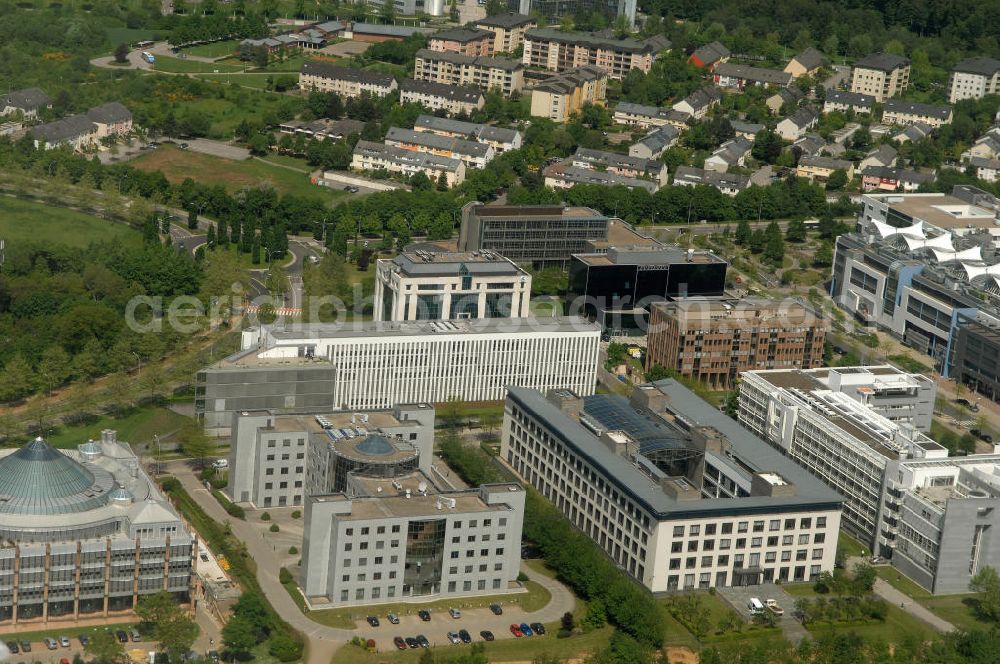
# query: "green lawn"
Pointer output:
{"type": "Point", "coordinates": [26, 220]}
{"type": "Point", "coordinates": [534, 599]}
{"type": "Point", "coordinates": [292, 162]}
{"type": "Point", "coordinates": [898, 626]}
{"type": "Point", "coordinates": [958, 610]}
{"type": "Point", "coordinates": [214, 50]}
{"type": "Point", "coordinates": [504, 650]}
{"type": "Point", "coordinates": [128, 35]}
{"type": "Point", "coordinates": [177, 164]}
{"type": "Point", "coordinates": [851, 547]}
{"type": "Point", "coordinates": [901, 582]}
{"type": "Point", "coordinates": [137, 427]}
{"type": "Point", "coordinates": [180, 66]}
{"type": "Point", "coordinates": [257, 81]}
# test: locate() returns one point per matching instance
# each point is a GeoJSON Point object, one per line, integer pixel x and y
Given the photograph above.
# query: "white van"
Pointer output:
{"type": "Point", "coordinates": [755, 606]}
{"type": "Point", "coordinates": [220, 463]}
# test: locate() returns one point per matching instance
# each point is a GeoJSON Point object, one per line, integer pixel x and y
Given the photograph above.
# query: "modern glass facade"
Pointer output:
{"type": "Point", "coordinates": [424, 557]}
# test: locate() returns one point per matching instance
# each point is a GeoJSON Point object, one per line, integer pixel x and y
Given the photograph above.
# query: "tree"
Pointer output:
{"type": "Point", "coordinates": [774, 248]}
{"type": "Point", "coordinates": [196, 444]}
{"type": "Point", "coordinates": [495, 7]}
{"type": "Point", "coordinates": [823, 256]}
{"type": "Point", "coordinates": [239, 635]}
{"type": "Point", "coordinates": [796, 231]}
{"type": "Point", "coordinates": [153, 380]}
{"type": "Point", "coordinates": [837, 181]}
{"type": "Point", "coordinates": [54, 367]}
{"type": "Point", "coordinates": [388, 11]}
{"type": "Point", "coordinates": [156, 608]}
{"type": "Point", "coordinates": [442, 183]}
{"type": "Point", "coordinates": [192, 218]}
{"type": "Point", "coordinates": [986, 582]}
{"type": "Point", "coordinates": [260, 56]}
{"type": "Point", "coordinates": [277, 280]}
{"type": "Point", "coordinates": [743, 232]}
{"type": "Point", "coordinates": [104, 647]}
{"type": "Point", "coordinates": [453, 14]}
{"type": "Point", "coordinates": [121, 53]}
{"type": "Point", "coordinates": [659, 372]}
{"type": "Point", "coordinates": [176, 636]}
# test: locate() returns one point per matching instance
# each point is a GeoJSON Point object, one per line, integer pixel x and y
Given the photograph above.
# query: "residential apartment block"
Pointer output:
{"type": "Point", "coordinates": [819, 168]}
{"type": "Point", "coordinates": [277, 459]}
{"type": "Point", "coordinates": [567, 176]}
{"type": "Point", "coordinates": [728, 75]}
{"type": "Point", "coordinates": [500, 139]}
{"type": "Point", "coordinates": [714, 340]}
{"type": "Point", "coordinates": [881, 75]}
{"type": "Point", "coordinates": [371, 156]}
{"type": "Point", "coordinates": [473, 42]}
{"type": "Point", "coordinates": [839, 440]}
{"type": "Point", "coordinates": [452, 99]}
{"type": "Point", "coordinates": [620, 164]}
{"type": "Point", "coordinates": [885, 178]}
{"type": "Point", "coordinates": [843, 100]}
{"type": "Point", "coordinates": [974, 78]}
{"type": "Point", "coordinates": [899, 112]}
{"type": "Point", "coordinates": [85, 130]}
{"type": "Point", "coordinates": [471, 153]}
{"type": "Point", "coordinates": [485, 73]}
{"type": "Point", "coordinates": [380, 364]}
{"type": "Point", "coordinates": [728, 183]}
{"type": "Point", "coordinates": [450, 285]}
{"type": "Point", "coordinates": [508, 30]}
{"type": "Point", "coordinates": [345, 81]}
{"type": "Point", "coordinates": [561, 95]}
{"type": "Point", "coordinates": [676, 493]}
{"type": "Point", "coordinates": [559, 51]}
{"type": "Point", "coordinates": [554, 10]}
{"type": "Point", "coordinates": [648, 117]}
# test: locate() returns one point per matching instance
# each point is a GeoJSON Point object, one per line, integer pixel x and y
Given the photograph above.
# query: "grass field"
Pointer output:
{"type": "Point", "coordinates": [898, 626]}
{"type": "Point", "coordinates": [256, 81]}
{"type": "Point", "coordinates": [505, 650]}
{"type": "Point", "coordinates": [137, 427]}
{"type": "Point", "coordinates": [958, 610]}
{"type": "Point", "coordinates": [129, 35]}
{"type": "Point", "coordinates": [215, 50]}
{"type": "Point", "coordinates": [179, 66]}
{"type": "Point", "coordinates": [177, 164]}
{"type": "Point", "coordinates": [26, 220]}
{"type": "Point", "coordinates": [292, 162]}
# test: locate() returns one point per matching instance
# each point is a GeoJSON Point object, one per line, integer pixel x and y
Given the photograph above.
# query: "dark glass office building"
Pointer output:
{"type": "Point", "coordinates": [617, 287]}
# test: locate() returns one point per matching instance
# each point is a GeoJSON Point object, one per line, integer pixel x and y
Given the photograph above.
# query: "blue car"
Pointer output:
{"type": "Point", "coordinates": [526, 630]}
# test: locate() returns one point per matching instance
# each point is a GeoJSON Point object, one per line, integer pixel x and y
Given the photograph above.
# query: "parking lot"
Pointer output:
{"type": "Point", "coordinates": [739, 597]}
{"type": "Point", "coordinates": [473, 620]}
{"type": "Point", "coordinates": [41, 653]}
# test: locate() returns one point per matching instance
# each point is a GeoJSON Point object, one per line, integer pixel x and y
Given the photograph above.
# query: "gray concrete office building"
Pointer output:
{"type": "Point", "coordinates": [276, 459]}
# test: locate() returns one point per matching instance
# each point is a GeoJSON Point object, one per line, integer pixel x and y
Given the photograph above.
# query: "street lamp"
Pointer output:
{"type": "Point", "coordinates": [138, 367]}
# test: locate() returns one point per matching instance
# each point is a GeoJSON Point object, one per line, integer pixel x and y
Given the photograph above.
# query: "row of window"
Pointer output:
{"type": "Point", "coordinates": [805, 523]}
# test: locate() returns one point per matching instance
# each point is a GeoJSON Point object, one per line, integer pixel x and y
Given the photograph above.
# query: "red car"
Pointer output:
{"type": "Point", "coordinates": [400, 643]}
{"type": "Point", "coordinates": [516, 630]}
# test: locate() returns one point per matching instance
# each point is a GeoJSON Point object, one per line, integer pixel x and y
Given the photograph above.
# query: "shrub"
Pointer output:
{"type": "Point", "coordinates": [285, 647]}
{"type": "Point", "coordinates": [266, 516]}
{"type": "Point", "coordinates": [274, 528]}
{"type": "Point", "coordinates": [522, 577]}
{"type": "Point", "coordinates": [284, 576]}
{"type": "Point", "coordinates": [292, 550]}
{"type": "Point", "coordinates": [297, 514]}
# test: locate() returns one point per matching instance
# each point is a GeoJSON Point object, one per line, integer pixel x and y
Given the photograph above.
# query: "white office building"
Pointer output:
{"type": "Point", "coordinates": [676, 493]}
{"type": "Point", "coordinates": [837, 438]}
{"type": "Point", "coordinates": [421, 285]}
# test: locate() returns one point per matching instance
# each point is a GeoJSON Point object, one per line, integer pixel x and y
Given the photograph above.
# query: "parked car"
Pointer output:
{"type": "Point", "coordinates": [496, 609]}
{"type": "Point", "coordinates": [12, 647]}
{"type": "Point", "coordinates": [453, 638]}
{"type": "Point", "coordinates": [538, 628]}
{"type": "Point", "coordinates": [422, 640]}
{"type": "Point", "coordinates": [526, 630]}
{"type": "Point", "coordinates": [465, 636]}
{"type": "Point", "coordinates": [84, 640]}
{"type": "Point", "coordinates": [454, 613]}
{"type": "Point", "coordinates": [424, 615]}
{"type": "Point", "coordinates": [134, 633]}
{"type": "Point", "coordinates": [50, 643]}
{"type": "Point", "coordinates": [26, 646]}
{"type": "Point", "coordinates": [373, 621]}
{"type": "Point", "coordinates": [63, 661]}
{"type": "Point", "coordinates": [774, 607]}
{"type": "Point", "coordinates": [122, 636]}
{"type": "Point", "coordinates": [487, 635]}
{"type": "Point", "coordinates": [214, 656]}
{"type": "Point", "coordinates": [515, 629]}
{"type": "Point", "coordinates": [64, 641]}
{"type": "Point", "coordinates": [399, 642]}
{"type": "Point", "coordinates": [412, 642]}
{"type": "Point", "coordinates": [968, 404]}
{"type": "Point", "coordinates": [393, 619]}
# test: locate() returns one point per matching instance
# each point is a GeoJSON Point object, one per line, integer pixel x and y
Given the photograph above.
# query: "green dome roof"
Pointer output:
{"type": "Point", "coordinates": [38, 479]}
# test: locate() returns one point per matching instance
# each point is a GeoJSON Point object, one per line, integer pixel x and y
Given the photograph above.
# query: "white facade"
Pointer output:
{"type": "Point", "coordinates": [443, 286]}
{"type": "Point", "coordinates": [728, 527]}
{"type": "Point", "coordinates": [381, 364]}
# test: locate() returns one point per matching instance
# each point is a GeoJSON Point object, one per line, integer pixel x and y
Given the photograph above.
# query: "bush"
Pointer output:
{"type": "Point", "coordinates": [284, 647]}
{"type": "Point", "coordinates": [284, 576]}
{"type": "Point", "coordinates": [297, 514]}
{"type": "Point", "coordinates": [522, 577]}
{"type": "Point", "coordinates": [266, 516]}
{"type": "Point", "coordinates": [292, 550]}
{"type": "Point", "coordinates": [232, 509]}
{"type": "Point", "coordinates": [274, 528]}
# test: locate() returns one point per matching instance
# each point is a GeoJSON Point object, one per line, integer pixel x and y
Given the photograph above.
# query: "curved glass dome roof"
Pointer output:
{"type": "Point", "coordinates": [38, 479]}
{"type": "Point", "coordinates": [375, 445]}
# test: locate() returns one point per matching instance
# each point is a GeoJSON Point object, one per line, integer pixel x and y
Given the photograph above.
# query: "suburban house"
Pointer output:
{"type": "Point", "coordinates": [728, 183]}
{"type": "Point", "coordinates": [111, 119]}
{"type": "Point", "coordinates": [345, 81]}
{"type": "Point", "coordinates": [728, 75]}
{"type": "Point", "coordinates": [881, 75]}
{"type": "Point", "coordinates": [655, 143]}
{"type": "Point", "coordinates": [731, 153]}
{"type": "Point", "coordinates": [883, 178]}
{"type": "Point", "coordinates": [508, 30]}
{"type": "Point", "coordinates": [467, 41]}
{"type": "Point", "coordinates": [698, 103]}
{"type": "Point", "coordinates": [821, 168]}
{"type": "Point", "coordinates": [844, 100]}
{"type": "Point", "coordinates": [561, 95]}
{"type": "Point", "coordinates": [28, 102]}
{"type": "Point", "coordinates": [806, 63]}
{"type": "Point", "coordinates": [915, 133]}
{"type": "Point", "coordinates": [322, 129]}
{"type": "Point", "coordinates": [566, 175]}
{"type": "Point", "coordinates": [709, 56]}
{"type": "Point", "coordinates": [452, 99]}
{"type": "Point", "coordinates": [647, 117]}
{"type": "Point", "coordinates": [986, 169]}
{"type": "Point", "coordinates": [791, 96]}
{"type": "Point", "coordinates": [811, 144]}
{"type": "Point", "coordinates": [884, 155]}
{"type": "Point", "coordinates": [974, 78]}
{"type": "Point", "coordinates": [76, 131]}
{"type": "Point", "coordinates": [620, 164]}
{"type": "Point", "coordinates": [798, 123]}
{"type": "Point", "coordinates": [986, 146]}
{"type": "Point", "coordinates": [748, 130]}
{"type": "Point", "coordinates": [899, 112]}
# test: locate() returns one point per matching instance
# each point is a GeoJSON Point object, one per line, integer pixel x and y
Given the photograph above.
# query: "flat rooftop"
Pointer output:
{"type": "Point", "coordinates": [374, 329]}
{"type": "Point", "coordinates": [941, 210]}
{"type": "Point", "coordinates": [647, 255]}
{"type": "Point", "coordinates": [431, 505]}
{"type": "Point", "coordinates": [475, 263]}
{"type": "Point", "coordinates": [536, 211]}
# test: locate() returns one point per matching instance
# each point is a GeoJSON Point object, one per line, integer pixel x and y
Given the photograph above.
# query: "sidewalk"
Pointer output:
{"type": "Point", "coordinates": [905, 602]}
